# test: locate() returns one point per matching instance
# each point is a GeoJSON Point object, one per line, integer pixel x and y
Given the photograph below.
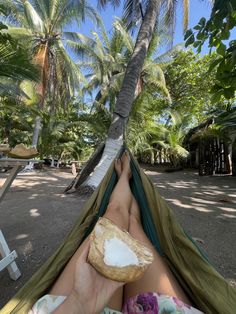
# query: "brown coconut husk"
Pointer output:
{"type": "Point", "coordinates": [22, 152]}
{"type": "Point", "coordinates": [105, 229]}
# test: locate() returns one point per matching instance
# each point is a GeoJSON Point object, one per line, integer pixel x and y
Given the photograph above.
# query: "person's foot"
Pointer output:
{"type": "Point", "coordinates": [118, 167]}
{"type": "Point", "coordinates": [125, 164]}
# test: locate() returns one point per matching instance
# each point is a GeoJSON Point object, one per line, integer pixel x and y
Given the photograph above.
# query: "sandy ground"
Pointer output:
{"type": "Point", "coordinates": [35, 216]}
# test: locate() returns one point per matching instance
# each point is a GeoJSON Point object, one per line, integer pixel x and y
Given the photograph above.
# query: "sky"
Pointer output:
{"type": "Point", "coordinates": [198, 9]}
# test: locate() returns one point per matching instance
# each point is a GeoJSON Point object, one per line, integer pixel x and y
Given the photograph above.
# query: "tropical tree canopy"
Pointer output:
{"type": "Point", "coordinates": [172, 93]}
{"type": "Point", "coordinates": [217, 31]}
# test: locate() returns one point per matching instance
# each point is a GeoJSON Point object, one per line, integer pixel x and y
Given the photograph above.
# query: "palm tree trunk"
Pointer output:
{"type": "Point", "coordinates": [37, 127]}
{"type": "Point", "coordinates": [134, 68]}
{"type": "Point", "coordinates": [126, 96]}
{"type": "Point", "coordinates": [41, 59]}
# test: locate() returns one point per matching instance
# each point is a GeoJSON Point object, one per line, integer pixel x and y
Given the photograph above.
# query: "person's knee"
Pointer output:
{"type": "Point", "coordinates": [118, 214]}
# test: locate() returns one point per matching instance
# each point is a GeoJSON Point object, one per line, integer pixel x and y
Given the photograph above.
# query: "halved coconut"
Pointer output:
{"type": "Point", "coordinates": [116, 254]}
{"type": "Point", "coordinates": [21, 151]}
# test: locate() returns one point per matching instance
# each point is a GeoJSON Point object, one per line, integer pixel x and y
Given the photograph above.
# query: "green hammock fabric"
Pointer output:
{"type": "Point", "coordinates": [207, 289]}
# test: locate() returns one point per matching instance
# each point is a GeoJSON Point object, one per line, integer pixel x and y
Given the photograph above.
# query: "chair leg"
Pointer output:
{"type": "Point", "coordinates": [8, 259]}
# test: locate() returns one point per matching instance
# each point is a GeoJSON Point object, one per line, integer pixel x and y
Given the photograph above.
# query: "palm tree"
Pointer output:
{"type": "Point", "coordinates": [147, 136]}
{"type": "Point", "coordinates": [43, 23]}
{"type": "Point", "coordinates": [164, 11]}
{"type": "Point", "coordinates": [172, 139]}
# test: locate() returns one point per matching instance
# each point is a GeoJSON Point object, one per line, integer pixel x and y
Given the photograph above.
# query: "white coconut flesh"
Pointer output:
{"type": "Point", "coordinates": [118, 254]}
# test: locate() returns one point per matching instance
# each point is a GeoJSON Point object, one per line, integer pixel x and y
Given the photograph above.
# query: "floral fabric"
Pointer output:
{"type": "Point", "coordinates": [155, 303]}
{"type": "Point", "coordinates": [145, 303]}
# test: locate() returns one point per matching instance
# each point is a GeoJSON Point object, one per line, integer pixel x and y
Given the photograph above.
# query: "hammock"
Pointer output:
{"type": "Point", "coordinates": [206, 288]}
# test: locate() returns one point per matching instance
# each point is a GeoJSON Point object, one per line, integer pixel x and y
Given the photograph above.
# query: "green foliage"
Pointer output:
{"type": "Point", "coordinates": [216, 31]}
{"type": "Point", "coordinates": [157, 124]}
{"type": "Point", "coordinates": [72, 132]}
{"type": "Point", "coordinates": [63, 136]}
{"type": "Point", "coordinates": [226, 121]}
{"type": "Point", "coordinates": [189, 83]}
{"type": "Point", "coordinates": [15, 64]}
{"type": "Point", "coordinates": [15, 61]}
{"type": "Point", "coordinates": [16, 122]}
{"type": "Point", "coordinates": [147, 135]}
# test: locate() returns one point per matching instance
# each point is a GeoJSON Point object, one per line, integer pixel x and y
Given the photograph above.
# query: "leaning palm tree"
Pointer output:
{"type": "Point", "coordinates": [42, 24]}
{"type": "Point", "coordinates": [106, 62]}
{"type": "Point", "coordinates": [154, 12]}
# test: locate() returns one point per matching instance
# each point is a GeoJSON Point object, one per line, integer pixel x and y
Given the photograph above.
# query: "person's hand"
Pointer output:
{"type": "Point", "coordinates": [92, 290]}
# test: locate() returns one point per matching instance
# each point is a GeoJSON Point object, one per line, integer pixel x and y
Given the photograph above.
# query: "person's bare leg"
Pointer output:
{"type": "Point", "coordinates": [118, 211]}
{"type": "Point", "coordinates": [158, 277]}
{"type": "Point", "coordinates": [121, 197]}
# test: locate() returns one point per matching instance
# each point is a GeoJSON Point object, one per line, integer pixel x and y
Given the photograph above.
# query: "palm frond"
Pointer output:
{"type": "Point", "coordinates": [64, 11]}
{"type": "Point", "coordinates": [103, 3]}
{"type": "Point", "coordinates": [43, 9]}
{"type": "Point", "coordinates": [168, 55]}
{"type": "Point", "coordinates": [33, 18]}
{"type": "Point", "coordinates": [15, 63]}
{"type": "Point", "coordinates": [132, 13]}
{"type": "Point", "coordinates": [181, 151]}
{"type": "Point", "coordinates": [126, 37]}
{"type": "Point", "coordinates": [69, 68]}
{"type": "Point", "coordinates": [10, 90]}
{"type": "Point", "coordinates": [168, 11]}
{"type": "Point", "coordinates": [21, 33]}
